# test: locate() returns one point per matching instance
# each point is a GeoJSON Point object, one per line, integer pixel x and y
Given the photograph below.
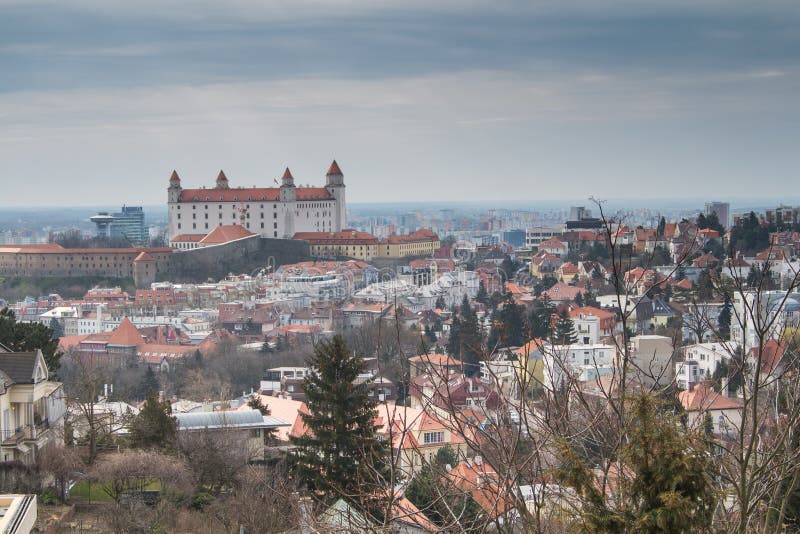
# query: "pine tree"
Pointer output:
{"type": "Point", "coordinates": [565, 330]}
{"type": "Point", "coordinates": [668, 490]}
{"type": "Point", "coordinates": [724, 319]}
{"type": "Point", "coordinates": [154, 425]}
{"type": "Point", "coordinates": [340, 454]}
{"type": "Point", "coordinates": [149, 383]}
{"type": "Point", "coordinates": [540, 319]}
{"type": "Point", "coordinates": [508, 325]}
{"type": "Point", "coordinates": [440, 303]}
{"type": "Point", "coordinates": [483, 295]}
{"type": "Point", "coordinates": [26, 337]}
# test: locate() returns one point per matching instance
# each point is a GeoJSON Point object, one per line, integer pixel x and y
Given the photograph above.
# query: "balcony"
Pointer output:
{"type": "Point", "coordinates": [20, 434]}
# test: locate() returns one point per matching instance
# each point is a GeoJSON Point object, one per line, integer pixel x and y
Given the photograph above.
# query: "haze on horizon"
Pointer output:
{"type": "Point", "coordinates": [458, 101]}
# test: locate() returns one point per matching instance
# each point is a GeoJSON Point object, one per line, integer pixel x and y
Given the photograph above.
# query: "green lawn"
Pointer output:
{"type": "Point", "coordinates": [82, 490]}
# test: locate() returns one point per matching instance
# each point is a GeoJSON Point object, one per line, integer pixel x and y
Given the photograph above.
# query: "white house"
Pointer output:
{"type": "Point", "coordinates": [32, 406]}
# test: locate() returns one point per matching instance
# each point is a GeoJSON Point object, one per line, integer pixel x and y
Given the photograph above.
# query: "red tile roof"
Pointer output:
{"type": "Point", "coordinates": [126, 335]}
{"type": "Point", "coordinates": [144, 256]}
{"type": "Point", "coordinates": [334, 169]}
{"type": "Point", "coordinates": [287, 174]}
{"type": "Point", "coordinates": [221, 177]}
{"type": "Point", "coordinates": [414, 237]}
{"type": "Point", "coordinates": [251, 194]}
{"type": "Point", "coordinates": [225, 234]}
{"type": "Point", "coordinates": [187, 238]}
{"type": "Point", "coordinates": [174, 176]}
{"type": "Point", "coordinates": [703, 398]}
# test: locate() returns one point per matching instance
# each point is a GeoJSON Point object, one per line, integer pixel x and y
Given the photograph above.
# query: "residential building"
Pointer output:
{"type": "Point", "coordinates": [700, 361]}
{"type": "Point", "coordinates": [247, 427]}
{"type": "Point", "coordinates": [32, 406]}
{"type": "Point", "coordinates": [701, 400]}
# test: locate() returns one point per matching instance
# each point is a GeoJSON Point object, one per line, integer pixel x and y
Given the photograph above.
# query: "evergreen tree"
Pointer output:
{"type": "Point", "coordinates": [579, 300]}
{"type": "Point", "coordinates": [154, 425]}
{"type": "Point", "coordinates": [565, 330]}
{"type": "Point", "coordinates": [469, 339]}
{"type": "Point", "coordinates": [340, 454]}
{"type": "Point", "coordinates": [27, 337]}
{"type": "Point", "coordinates": [56, 329]}
{"type": "Point", "coordinates": [668, 490]}
{"type": "Point", "coordinates": [483, 295]}
{"type": "Point", "coordinates": [149, 383]}
{"type": "Point", "coordinates": [724, 319]}
{"type": "Point", "coordinates": [589, 299]}
{"type": "Point", "coordinates": [440, 303]}
{"type": "Point", "coordinates": [508, 325]}
{"type": "Point", "coordinates": [680, 273]}
{"type": "Point", "coordinates": [540, 319]}
{"type": "Point", "coordinates": [662, 224]}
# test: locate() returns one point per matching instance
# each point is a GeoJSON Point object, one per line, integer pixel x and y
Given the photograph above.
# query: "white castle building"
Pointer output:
{"type": "Point", "coordinates": [266, 211]}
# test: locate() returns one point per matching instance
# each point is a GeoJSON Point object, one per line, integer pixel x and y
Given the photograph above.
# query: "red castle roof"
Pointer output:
{"type": "Point", "coordinates": [334, 168]}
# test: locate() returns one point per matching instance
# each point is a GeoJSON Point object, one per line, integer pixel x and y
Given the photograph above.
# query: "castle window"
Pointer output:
{"type": "Point", "coordinates": [194, 206]}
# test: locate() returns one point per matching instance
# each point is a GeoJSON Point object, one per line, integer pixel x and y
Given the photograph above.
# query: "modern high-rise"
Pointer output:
{"type": "Point", "coordinates": [722, 210]}
{"type": "Point", "coordinates": [128, 223]}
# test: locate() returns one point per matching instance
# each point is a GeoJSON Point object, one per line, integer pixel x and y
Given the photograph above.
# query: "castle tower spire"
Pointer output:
{"type": "Point", "coordinates": [222, 181]}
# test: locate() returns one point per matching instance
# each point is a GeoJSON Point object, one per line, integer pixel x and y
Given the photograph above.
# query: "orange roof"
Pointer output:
{"type": "Point", "coordinates": [530, 347]}
{"type": "Point", "coordinates": [187, 238]}
{"type": "Point", "coordinates": [552, 242]}
{"type": "Point", "coordinates": [287, 174]}
{"type": "Point", "coordinates": [482, 481]}
{"type": "Point", "coordinates": [516, 289]}
{"type": "Point", "coordinates": [144, 256]}
{"type": "Point", "coordinates": [225, 234]}
{"type": "Point", "coordinates": [174, 176]}
{"type": "Point", "coordinates": [569, 268]}
{"type": "Point", "coordinates": [703, 398]}
{"type": "Point", "coordinates": [126, 335]}
{"type": "Point", "coordinates": [593, 311]}
{"type": "Point", "coordinates": [771, 355]}
{"type": "Point", "coordinates": [66, 343]}
{"type": "Point", "coordinates": [221, 177]}
{"type": "Point", "coordinates": [420, 235]}
{"type": "Point", "coordinates": [334, 168]}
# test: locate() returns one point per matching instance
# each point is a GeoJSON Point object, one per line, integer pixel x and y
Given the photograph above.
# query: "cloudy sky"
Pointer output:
{"type": "Point", "coordinates": [419, 100]}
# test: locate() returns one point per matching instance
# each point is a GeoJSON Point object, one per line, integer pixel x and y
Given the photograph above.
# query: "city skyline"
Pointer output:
{"type": "Point", "coordinates": [448, 102]}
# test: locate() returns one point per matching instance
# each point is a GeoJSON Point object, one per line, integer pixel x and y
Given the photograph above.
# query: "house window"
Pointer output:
{"type": "Point", "coordinates": [433, 437]}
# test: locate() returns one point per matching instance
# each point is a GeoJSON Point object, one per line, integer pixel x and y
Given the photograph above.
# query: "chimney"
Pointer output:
{"type": "Point", "coordinates": [478, 460]}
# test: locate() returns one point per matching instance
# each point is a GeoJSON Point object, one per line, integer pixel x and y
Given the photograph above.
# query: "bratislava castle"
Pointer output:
{"type": "Point", "coordinates": [268, 211]}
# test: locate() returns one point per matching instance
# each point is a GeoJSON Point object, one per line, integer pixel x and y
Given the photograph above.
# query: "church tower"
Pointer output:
{"type": "Point", "coordinates": [334, 183]}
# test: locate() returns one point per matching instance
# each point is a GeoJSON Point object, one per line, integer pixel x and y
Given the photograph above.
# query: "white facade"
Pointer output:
{"type": "Point", "coordinates": [701, 361]}
{"type": "Point", "coordinates": [277, 212]}
{"type": "Point", "coordinates": [582, 362]}
{"type": "Point", "coordinates": [535, 235]}
{"type": "Point", "coordinates": [769, 311]}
